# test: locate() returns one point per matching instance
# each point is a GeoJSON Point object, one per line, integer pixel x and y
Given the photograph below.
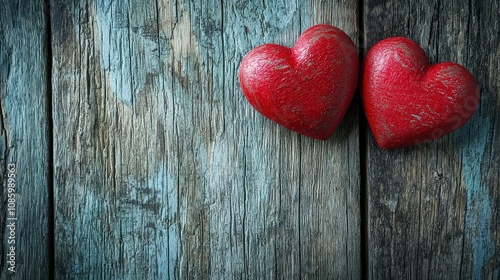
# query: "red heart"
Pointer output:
{"type": "Point", "coordinates": [408, 101]}
{"type": "Point", "coordinates": [306, 88]}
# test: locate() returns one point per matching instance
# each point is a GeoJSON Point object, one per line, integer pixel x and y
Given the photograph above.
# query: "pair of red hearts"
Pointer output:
{"type": "Point", "coordinates": [308, 88]}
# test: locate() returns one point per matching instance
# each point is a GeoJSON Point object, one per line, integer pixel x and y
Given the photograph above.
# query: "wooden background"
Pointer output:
{"type": "Point", "coordinates": [139, 158]}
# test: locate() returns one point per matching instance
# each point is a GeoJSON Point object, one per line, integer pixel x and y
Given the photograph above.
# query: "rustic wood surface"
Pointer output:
{"type": "Point", "coordinates": [24, 140]}
{"type": "Point", "coordinates": [163, 170]}
{"type": "Point", "coordinates": [139, 158]}
{"type": "Point", "coordinates": [433, 209]}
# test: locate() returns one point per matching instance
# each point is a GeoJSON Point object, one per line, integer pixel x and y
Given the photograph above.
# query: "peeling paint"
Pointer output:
{"type": "Point", "coordinates": [124, 49]}
{"type": "Point", "coordinates": [183, 41]}
{"type": "Point", "coordinates": [478, 212]}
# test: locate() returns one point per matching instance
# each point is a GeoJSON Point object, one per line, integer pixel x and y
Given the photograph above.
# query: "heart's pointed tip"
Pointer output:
{"type": "Point", "coordinates": [389, 142]}
{"type": "Point", "coordinates": [392, 146]}
{"type": "Point", "coordinates": [384, 145]}
{"type": "Point", "coordinates": [323, 136]}
{"type": "Point", "coordinates": [389, 146]}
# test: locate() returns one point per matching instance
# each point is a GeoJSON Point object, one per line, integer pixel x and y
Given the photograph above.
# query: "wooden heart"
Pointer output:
{"type": "Point", "coordinates": [409, 101]}
{"type": "Point", "coordinates": [306, 88]}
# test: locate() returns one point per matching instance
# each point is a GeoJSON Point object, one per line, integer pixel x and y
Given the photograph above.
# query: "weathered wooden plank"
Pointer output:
{"type": "Point", "coordinates": [115, 196]}
{"type": "Point", "coordinates": [24, 148]}
{"type": "Point", "coordinates": [301, 196]}
{"type": "Point", "coordinates": [329, 183]}
{"type": "Point", "coordinates": [433, 209]}
{"type": "Point", "coordinates": [162, 169]}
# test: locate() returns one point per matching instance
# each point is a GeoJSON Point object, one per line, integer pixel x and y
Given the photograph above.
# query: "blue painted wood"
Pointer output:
{"type": "Point", "coordinates": [433, 209]}
{"type": "Point", "coordinates": [24, 148]}
{"type": "Point", "coordinates": [163, 170]}
{"type": "Point", "coordinates": [479, 230]}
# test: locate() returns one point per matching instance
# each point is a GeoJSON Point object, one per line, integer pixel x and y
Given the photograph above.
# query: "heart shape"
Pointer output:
{"type": "Point", "coordinates": [409, 101]}
{"type": "Point", "coordinates": [306, 88]}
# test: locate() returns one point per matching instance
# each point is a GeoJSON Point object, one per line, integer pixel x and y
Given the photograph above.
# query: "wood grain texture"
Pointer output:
{"type": "Point", "coordinates": [24, 138]}
{"type": "Point", "coordinates": [163, 170]}
{"type": "Point", "coordinates": [433, 209]}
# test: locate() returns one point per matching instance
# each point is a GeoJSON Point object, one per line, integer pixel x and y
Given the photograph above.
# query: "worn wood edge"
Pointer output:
{"type": "Point", "coordinates": [457, 172]}
{"type": "Point", "coordinates": [197, 184]}
{"type": "Point", "coordinates": [24, 139]}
